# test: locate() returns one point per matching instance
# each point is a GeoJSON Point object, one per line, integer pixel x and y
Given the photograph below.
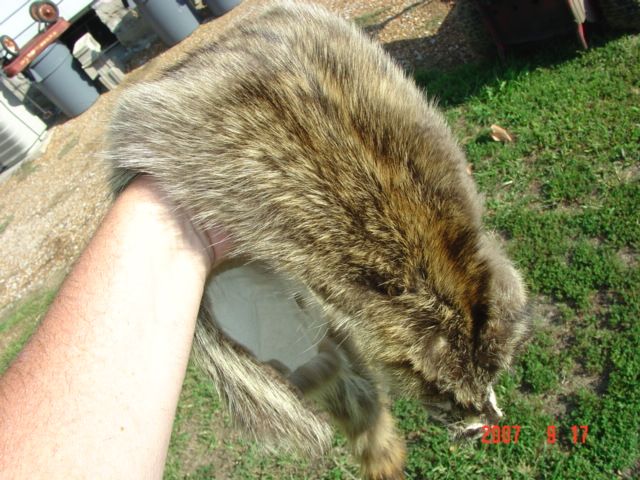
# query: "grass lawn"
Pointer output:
{"type": "Point", "coordinates": [564, 196]}
{"type": "Point", "coordinates": [17, 325]}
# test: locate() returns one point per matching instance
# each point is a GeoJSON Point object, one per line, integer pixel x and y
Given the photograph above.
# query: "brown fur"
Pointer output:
{"type": "Point", "coordinates": [302, 138]}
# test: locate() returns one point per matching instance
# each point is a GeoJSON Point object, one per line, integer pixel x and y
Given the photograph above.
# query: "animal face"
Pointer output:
{"type": "Point", "coordinates": [448, 355]}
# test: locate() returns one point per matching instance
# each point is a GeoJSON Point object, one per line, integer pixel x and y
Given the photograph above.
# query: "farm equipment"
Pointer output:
{"type": "Point", "coordinates": [512, 22]}
{"type": "Point", "coordinates": [49, 64]}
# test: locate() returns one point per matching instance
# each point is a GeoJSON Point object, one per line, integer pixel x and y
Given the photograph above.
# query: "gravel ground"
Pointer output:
{"type": "Point", "coordinates": [51, 205]}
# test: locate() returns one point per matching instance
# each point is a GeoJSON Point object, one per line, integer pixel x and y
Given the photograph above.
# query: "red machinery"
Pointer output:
{"type": "Point", "coordinates": [49, 64]}
{"type": "Point", "coordinates": [35, 47]}
{"type": "Point", "coordinates": [512, 22]}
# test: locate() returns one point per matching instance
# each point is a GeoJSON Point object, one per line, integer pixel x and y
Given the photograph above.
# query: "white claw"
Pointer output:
{"type": "Point", "coordinates": [494, 402]}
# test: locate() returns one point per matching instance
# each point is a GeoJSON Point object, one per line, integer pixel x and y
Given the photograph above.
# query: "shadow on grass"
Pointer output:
{"type": "Point", "coordinates": [458, 59]}
{"type": "Point", "coordinates": [456, 86]}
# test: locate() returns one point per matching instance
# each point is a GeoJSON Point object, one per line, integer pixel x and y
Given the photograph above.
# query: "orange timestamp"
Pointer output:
{"type": "Point", "coordinates": [506, 434]}
{"type": "Point", "coordinates": [578, 434]}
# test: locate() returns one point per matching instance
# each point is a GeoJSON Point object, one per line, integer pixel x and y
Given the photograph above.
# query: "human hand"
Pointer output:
{"type": "Point", "coordinates": [208, 248]}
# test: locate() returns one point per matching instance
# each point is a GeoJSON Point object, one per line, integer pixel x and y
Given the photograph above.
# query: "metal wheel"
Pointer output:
{"type": "Point", "coordinates": [44, 11]}
{"type": "Point", "coordinates": [621, 14]}
{"type": "Point", "coordinates": [9, 46]}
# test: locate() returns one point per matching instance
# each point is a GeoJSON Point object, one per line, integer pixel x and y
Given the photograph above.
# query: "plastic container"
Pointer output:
{"type": "Point", "coordinates": [220, 7]}
{"type": "Point", "coordinates": [59, 77]}
{"type": "Point", "coordinates": [172, 20]}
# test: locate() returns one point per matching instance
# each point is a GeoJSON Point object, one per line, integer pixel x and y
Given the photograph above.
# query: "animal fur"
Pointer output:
{"type": "Point", "coordinates": [305, 141]}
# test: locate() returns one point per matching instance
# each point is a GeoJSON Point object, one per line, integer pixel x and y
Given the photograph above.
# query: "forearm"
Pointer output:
{"type": "Point", "coordinates": [94, 393]}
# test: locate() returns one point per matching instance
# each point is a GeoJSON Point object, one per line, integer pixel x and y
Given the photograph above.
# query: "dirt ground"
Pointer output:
{"type": "Point", "coordinates": [51, 205]}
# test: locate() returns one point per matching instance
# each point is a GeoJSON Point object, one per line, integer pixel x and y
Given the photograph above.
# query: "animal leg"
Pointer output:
{"type": "Point", "coordinates": [339, 379]}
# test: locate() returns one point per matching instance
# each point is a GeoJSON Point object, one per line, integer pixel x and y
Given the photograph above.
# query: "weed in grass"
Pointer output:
{"type": "Point", "coordinates": [26, 169]}
{"type": "Point", "coordinates": [369, 19]}
{"type": "Point", "coordinates": [4, 223]}
{"type": "Point", "coordinates": [68, 146]}
{"type": "Point", "coordinates": [533, 367]}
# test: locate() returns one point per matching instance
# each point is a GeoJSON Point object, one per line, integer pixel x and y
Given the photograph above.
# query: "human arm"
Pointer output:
{"type": "Point", "coordinates": [94, 392]}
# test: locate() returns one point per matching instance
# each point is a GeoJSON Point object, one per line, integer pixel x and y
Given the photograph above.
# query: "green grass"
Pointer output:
{"type": "Point", "coordinates": [205, 445]}
{"type": "Point", "coordinates": [565, 196]}
{"type": "Point", "coordinates": [4, 223]}
{"type": "Point", "coordinates": [17, 325]}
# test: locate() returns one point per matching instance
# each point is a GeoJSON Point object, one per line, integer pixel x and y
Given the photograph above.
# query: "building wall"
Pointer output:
{"type": "Point", "coordinates": [21, 132]}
